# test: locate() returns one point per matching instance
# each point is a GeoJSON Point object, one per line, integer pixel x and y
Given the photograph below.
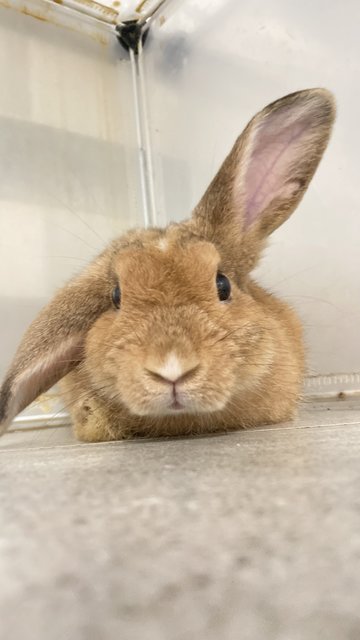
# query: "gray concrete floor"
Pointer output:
{"type": "Point", "coordinates": [253, 535]}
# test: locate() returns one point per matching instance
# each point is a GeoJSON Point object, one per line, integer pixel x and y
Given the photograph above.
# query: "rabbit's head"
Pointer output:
{"type": "Point", "coordinates": [166, 322]}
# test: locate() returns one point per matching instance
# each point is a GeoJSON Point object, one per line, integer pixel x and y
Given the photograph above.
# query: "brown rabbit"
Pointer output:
{"type": "Point", "coordinates": [165, 333]}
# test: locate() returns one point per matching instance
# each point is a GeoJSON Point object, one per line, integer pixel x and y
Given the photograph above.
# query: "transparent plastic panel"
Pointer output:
{"type": "Point", "coordinates": [68, 161]}
{"type": "Point", "coordinates": [209, 67]}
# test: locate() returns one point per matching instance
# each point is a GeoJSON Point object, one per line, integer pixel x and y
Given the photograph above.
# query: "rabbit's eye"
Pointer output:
{"type": "Point", "coordinates": [223, 287]}
{"type": "Point", "coordinates": [116, 296]}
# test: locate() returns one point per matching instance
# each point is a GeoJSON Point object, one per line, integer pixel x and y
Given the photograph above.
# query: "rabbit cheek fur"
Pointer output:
{"type": "Point", "coordinates": [244, 357]}
{"type": "Point", "coordinates": [173, 356]}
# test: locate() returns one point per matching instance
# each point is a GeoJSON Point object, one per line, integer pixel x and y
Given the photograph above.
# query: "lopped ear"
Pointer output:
{"type": "Point", "coordinates": [265, 175]}
{"type": "Point", "coordinates": [54, 342]}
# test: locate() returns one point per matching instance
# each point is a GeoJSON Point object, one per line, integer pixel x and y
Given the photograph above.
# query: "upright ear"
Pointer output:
{"type": "Point", "coordinates": [265, 175]}
{"type": "Point", "coordinates": [54, 342]}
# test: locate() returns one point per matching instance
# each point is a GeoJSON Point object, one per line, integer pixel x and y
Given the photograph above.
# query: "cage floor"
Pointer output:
{"type": "Point", "coordinates": [252, 535]}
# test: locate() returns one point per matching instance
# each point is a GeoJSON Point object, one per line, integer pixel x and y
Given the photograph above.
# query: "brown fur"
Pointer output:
{"type": "Point", "coordinates": [243, 359]}
{"type": "Point", "coordinates": [250, 349]}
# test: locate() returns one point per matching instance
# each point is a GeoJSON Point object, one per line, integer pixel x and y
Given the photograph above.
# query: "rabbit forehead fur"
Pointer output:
{"type": "Point", "coordinates": [164, 263]}
{"type": "Point", "coordinates": [171, 268]}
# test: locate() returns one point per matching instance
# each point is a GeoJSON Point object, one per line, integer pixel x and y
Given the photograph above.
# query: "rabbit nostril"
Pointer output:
{"type": "Point", "coordinates": [160, 377]}
{"type": "Point", "coordinates": [156, 376]}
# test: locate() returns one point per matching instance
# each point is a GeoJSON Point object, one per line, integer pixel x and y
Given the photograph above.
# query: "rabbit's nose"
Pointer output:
{"type": "Point", "coordinates": [172, 370]}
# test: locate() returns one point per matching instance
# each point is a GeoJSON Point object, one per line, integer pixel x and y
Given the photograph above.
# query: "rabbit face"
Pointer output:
{"type": "Point", "coordinates": [184, 334]}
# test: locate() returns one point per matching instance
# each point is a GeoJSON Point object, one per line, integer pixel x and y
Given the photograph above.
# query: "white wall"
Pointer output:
{"type": "Point", "coordinates": [210, 66]}
{"type": "Point", "coordinates": [68, 160]}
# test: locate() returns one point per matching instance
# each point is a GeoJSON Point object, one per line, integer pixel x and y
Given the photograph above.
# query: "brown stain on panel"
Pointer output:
{"type": "Point", "coordinates": [140, 6]}
{"type": "Point", "coordinates": [109, 12]}
{"type": "Point", "coordinates": [98, 37]}
{"type": "Point", "coordinates": [37, 16]}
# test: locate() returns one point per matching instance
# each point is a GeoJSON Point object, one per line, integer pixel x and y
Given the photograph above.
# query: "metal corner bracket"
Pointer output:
{"type": "Point", "coordinates": [132, 33]}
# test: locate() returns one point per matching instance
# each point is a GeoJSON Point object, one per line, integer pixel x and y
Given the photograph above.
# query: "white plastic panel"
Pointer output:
{"type": "Point", "coordinates": [210, 66]}
{"type": "Point", "coordinates": [101, 13]}
{"type": "Point", "coordinates": [68, 160]}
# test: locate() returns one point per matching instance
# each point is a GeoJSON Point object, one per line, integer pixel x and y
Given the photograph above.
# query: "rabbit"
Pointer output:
{"type": "Point", "coordinates": [165, 333]}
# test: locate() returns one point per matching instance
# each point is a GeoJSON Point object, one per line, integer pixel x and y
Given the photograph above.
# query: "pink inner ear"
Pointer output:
{"type": "Point", "coordinates": [277, 146]}
{"type": "Point", "coordinates": [43, 373]}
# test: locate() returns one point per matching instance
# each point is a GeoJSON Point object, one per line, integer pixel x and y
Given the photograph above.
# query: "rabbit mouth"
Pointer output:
{"type": "Point", "coordinates": [182, 403]}
{"type": "Point", "coordinates": [172, 407]}
{"type": "Point", "coordinates": [176, 406]}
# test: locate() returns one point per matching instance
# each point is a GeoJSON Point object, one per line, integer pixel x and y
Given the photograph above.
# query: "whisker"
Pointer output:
{"type": "Point", "coordinates": [77, 215]}
{"type": "Point", "coordinates": [313, 299]}
{"type": "Point", "coordinates": [297, 273]}
{"type": "Point", "coordinates": [52, 257]}
{"type": "Point", "coordinates": [29, 257]}
{"type": "Point", "coordinates": [79, 397]}
{"type": "Point", "coordinates": [55, 224]}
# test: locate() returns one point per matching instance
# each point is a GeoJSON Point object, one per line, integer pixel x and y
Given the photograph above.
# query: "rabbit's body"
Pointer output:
{"type": "Point", "coordinates": [165, 333]}
{"type": "Point", "coordinates": [245, 357]}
